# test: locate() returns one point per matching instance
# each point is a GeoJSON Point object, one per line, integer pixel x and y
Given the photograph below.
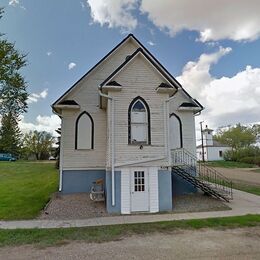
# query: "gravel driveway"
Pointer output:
{"type": "Point", "coordinates": [79, 206]}
{"type": "Point", "coordinates": [180, 244]}
{"type": "Point", "coordinates": [245, 175]}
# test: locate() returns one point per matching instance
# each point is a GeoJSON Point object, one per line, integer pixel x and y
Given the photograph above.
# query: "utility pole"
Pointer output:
{"type": "Point", "coordinates": [202, 143]}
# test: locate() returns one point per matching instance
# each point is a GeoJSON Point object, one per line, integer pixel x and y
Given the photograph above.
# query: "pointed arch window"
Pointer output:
{"type": "Point", "coordinates": [175, 132]}
{"type": "Point", "coordinates": [139, 122]}
{"type": "Point", "coordinates": [84, 137]}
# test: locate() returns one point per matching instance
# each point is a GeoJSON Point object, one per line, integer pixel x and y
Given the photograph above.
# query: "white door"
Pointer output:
{"type": "Point", "coordinates": [139, 190]}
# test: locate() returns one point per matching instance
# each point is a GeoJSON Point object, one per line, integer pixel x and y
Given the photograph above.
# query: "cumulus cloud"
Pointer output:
{"type": "Point", "coordinates": [14, 3]}
{"type": "Point", "coordinates": [72, 65]}
{"type": "Point", "coordinates": [114, 13]}
{"type": "Point", "coordinates": [34, 97]}
{"type": "Point", "coordinates": [214, 20]}
{"type": "Point", "coordinates": [196, 74]}
{"type": "Point", "coordinates": [228, 100]}
{"type": "Point", "coordinates": [151, 43]}
{"type": "Point", "coordinates": [43, 123]}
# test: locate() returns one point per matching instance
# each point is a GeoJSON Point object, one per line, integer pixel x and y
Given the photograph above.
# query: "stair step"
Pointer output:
{"type": "Point", "coordinates": [202, 185]}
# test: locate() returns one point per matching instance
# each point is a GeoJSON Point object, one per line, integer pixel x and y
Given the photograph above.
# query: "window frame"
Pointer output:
{"type": "Point", "coordinates": [180, 127]}
{"type": "Point", "coordinates": [133, 102]}
{"type": "Point", "coordinates": [92, 131]}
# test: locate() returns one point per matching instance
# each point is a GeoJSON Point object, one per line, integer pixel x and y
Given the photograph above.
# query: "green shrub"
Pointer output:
{"type": "Point", "coordinates": [251, 159]}
{"type": "Point", "coordinates": [237, 155]}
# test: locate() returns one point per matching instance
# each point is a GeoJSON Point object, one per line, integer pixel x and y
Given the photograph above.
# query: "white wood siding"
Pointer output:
{"type": "Point", "coordinates": [139, 78]}
{"type": "Point", "coordinates": [153, 189]}
{"type": "Point", "coordinates": [86, 95]}
{"type": "Point", "coordinates": [188, 122]}
{"type": "Point", "coordinates": [125, 191]}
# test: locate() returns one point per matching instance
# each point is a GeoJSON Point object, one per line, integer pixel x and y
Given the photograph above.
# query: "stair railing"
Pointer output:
{"type": "Point", "coordinates": [209, 175]}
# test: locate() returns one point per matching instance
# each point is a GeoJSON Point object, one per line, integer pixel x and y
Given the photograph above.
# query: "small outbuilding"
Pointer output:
{"type": "Point", "coordinates": [212, 149]}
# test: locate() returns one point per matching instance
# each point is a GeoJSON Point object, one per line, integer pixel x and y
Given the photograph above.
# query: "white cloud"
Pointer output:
{"type": "Point", "coordinates": [71, 65]}
{"type": "Point", "coordinates": [195, 75]}
{"type": "Point", "coordinates": [82, 4]}
{"type": "Point", "coordinates": [43, 123]}
{"type": "Point", "coordinates": [214, 20]}
{"type": "Point", "coordinates": [114, 13]}
{"type": "Point", "coordinates": [151, 43]}
{"type": "Point", "coordinates": [228, 100]}
{"type": "Point", "coordinates": [14, 3]}
{"type": "Point", "coordinates": [48, 53]}
{"type": "Point", "coordinates": [34, 97]}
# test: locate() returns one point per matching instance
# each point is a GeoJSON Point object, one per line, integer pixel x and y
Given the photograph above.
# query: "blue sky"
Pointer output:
{"type": "Point", "coordinates": [216, 53]}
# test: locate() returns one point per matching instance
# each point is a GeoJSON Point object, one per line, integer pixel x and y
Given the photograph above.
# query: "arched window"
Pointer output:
{"type": "Point", "coordinates": [84, 137]}
{"type": "Point", "coordinates": [139, 122]}
{"type": "Point", "coordinates": [175, 132]}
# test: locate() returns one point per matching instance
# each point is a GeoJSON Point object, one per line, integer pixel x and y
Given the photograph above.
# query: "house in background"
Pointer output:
{"type": "Point", "coordinates": [124, 121]}
{"type": "Point", "coordinates": [213, 150]}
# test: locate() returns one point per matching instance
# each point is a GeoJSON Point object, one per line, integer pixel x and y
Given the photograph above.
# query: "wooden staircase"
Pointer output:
{"type": "Point", "coordinates": [201, 176]}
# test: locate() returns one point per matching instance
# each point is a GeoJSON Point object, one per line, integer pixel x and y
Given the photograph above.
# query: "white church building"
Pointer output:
{"type": "Point", "coordinates": [213, 150]}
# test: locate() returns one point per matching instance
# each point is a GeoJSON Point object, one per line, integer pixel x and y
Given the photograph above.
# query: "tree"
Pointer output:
{"type": "Point", "coordinates": [237, 136]}
{"type": "Point", "coordinates": [13, 94]}
{"type": "Point", "coordinates": [10, 135]}
{"type": "Point", "coordinates": [38, 144]}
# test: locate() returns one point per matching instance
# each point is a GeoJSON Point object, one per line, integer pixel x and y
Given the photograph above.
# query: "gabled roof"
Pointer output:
{"type": "Point", "coordinates": [164, 85]}
{"type": "Point", "coordinates": [147, 54]}
{"type": "Point", "coordinates": [188, 104]}
{"type": "Point", "coordinates": [113, 83]}
{"type": "Point", "coordinates": [131, 57]}
{"type": "Point", "coordinates": [69, 102]}
{"type": "Point", "coordinates": [215, 144]}
{"type": "Point", "coordinates": [88, 72]}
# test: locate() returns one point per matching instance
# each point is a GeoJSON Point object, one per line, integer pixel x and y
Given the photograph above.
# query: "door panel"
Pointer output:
{"type": "Point", "coordinates": [139, 190]}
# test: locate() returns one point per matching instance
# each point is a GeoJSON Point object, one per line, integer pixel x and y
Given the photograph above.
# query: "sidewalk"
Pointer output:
{"type": "Point", "coordinates": [243, 204]}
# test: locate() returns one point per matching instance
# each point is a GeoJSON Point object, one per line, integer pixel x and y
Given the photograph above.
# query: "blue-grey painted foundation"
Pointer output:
{"type": "Point", "coordinates": [165, 190]}
{"type": "Point", "coordinates": [74, 181]}
{"type": "Point", "coordinates": [117, 207]}
{"type": "Point", "coordinates": [181, 186]}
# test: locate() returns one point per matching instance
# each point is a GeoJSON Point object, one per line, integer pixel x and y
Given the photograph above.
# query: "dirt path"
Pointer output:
{"type": "Point", "coordinates": [203, 244]}
{"type": "Point", "coordinates": [241, 174]}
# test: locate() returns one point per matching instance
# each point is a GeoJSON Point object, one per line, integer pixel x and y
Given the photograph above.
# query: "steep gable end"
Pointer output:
{"type": "Point", "coordinates": [140, 52]}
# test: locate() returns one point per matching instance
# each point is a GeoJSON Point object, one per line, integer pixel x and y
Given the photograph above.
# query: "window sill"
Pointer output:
{"type": "Point", "coordinates": [139, 144]}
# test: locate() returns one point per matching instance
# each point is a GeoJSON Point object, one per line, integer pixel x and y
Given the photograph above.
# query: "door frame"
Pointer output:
{"type": "Point", "coordinates": [146, 178]}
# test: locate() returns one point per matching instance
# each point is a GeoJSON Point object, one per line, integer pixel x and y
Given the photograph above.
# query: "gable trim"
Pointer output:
{"type": "Point", "coordinates": [139, 50]}
{"type": "Point", "coordinates": [93, 68]}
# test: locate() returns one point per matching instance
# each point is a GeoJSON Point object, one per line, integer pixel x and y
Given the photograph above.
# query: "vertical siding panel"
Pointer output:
{"type": "Point", "coordinates": [153, 193]}
{"type": "Point", "coordinates": [86, 95]}
{"type": "Point", "coordinates": [125, 191]}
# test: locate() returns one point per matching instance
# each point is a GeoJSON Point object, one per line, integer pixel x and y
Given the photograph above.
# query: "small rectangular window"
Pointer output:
{"type": "Point", "coordinates": [139, 184]}
{"type": "Point", "coordinates": [220, 154]}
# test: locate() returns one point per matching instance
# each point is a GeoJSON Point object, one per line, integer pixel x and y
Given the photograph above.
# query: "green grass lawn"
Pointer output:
{"type": "Point", "coordinates": [254, 189]}
{"type": "Point", "coordinates": [229, 164]}
{"type": "Point", "coordinates": [59, 236]}
{"type": "Point", "coordinates": [256, 170]}
{"type": "Point", "coordinates": [25, 188]}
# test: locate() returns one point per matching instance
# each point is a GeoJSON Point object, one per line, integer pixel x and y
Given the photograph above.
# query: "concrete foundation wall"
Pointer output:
{"type": "Point", "coordinates": [74, 181]}
{"type": "Point", "coordinates": [165, 190]}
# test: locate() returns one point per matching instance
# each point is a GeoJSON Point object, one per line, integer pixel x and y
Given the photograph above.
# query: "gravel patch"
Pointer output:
{"type": "Point", "coordinates": [197, 202]}
{"type": "Point", "coordinates": [73, 206]}
{"type": "Point", "coordinates": [80, 206]}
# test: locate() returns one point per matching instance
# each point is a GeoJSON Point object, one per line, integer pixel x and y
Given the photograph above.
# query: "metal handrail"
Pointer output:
{"type": "Point", "coordinates": [181, 157]}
